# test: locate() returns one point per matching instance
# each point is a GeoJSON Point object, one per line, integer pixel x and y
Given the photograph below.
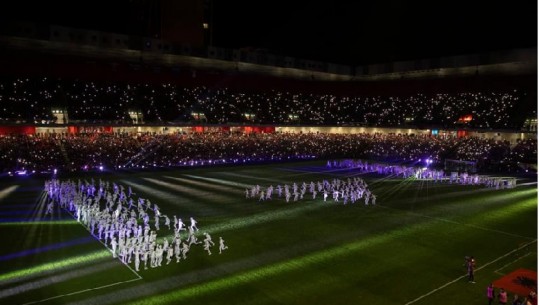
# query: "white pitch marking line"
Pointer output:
{"type": "Point", "coordinates": [461, 277]}
{"type": "Point", "coordinates": [458, 223]}
{"type": "Point", "coordinates": [82, 291]}
{"type": "Point", "coordinates": [519, 258]}
{"type": "Point", "coordinates": [90, 289]}
{"type": "Point", "coordinates": [106, 247]}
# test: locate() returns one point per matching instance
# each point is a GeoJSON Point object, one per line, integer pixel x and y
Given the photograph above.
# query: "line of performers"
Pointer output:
{"type": "Point", "coordinates": [123, 223]}
{"type": "Point", "coordinates": [346, 191]}
{"type": "Point", "coordinates": [424, 173]}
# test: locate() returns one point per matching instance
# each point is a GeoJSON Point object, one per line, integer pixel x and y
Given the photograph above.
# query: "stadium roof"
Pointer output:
{"type": "Point", "coordinates": [344, 32]}
{"type": "Point", "coordinates": [367, 32]}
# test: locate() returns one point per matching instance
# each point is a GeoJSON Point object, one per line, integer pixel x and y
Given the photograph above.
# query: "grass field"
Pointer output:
{"type": "Point", "coordinates": [408, 249]}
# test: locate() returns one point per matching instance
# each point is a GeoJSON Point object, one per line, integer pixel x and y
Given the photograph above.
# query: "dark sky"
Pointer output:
{"type": "Point", "coordinates": [357, 32]}
{"type": "Point", "coordinates": [349, 32]}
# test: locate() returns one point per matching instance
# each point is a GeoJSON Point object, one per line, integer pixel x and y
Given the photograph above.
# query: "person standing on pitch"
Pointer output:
{"type": "Point", "coordinates": [137, 259]}
{"type": "Point", "coordinates": [170, 252]}
{"type": "Point", "coordinates": [185, 249]}
{"type": "Point", "coordinates": [208, 242]}
{"type": "Point", "coordinates": [490, 293]}
{"type": "Point", "coordinates": [167, 221]}
{"type": "Point", "coordinates": [222, 245]}
{"type": "Point", "coordinates": [471, 269]}
{"type": "Point", "coordinates": [193, 224]}
{"type": "Point", "coordinates": [114, 244]}
{"type": "Point", "coordinates": [177, 251]}
{"type": "Point", "coordinates": [180, 226]}
{"type": "Point", "coordinates": [516, 300]}
{"type": "Point", "coordinates": [192, 239]}
{"type": "Point", "coordinates": [502, 296]}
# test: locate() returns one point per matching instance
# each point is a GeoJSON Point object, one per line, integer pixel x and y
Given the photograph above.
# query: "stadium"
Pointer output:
{"type": "Point", "coordinates": [149, 156]}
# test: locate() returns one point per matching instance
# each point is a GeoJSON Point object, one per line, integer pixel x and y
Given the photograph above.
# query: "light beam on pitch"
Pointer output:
{"type": "Point", "coordinates": [54, 279]}
{"type": "Point", "coordinates": [5, 192]}
{"type": "Point", "coordinates": [220, 181]}
{"type": "Point", "coordinates": [23, 274]}
{"type": "Point", "coordinates": [243, 222]}
{"type": "Point", "coordinates": [278, 268]}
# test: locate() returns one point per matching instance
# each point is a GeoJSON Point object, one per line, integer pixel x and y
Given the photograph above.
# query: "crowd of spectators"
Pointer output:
{"type": "Point", "coordinates": [119, 151]}
{"type": "Point", "coordinates": [30, 100]}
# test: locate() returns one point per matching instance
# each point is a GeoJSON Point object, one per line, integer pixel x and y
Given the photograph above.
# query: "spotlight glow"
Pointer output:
{"type": "Point", "coordinates": [33, 223]}
{"type": "Point", "coordinates": [275, 269]}
{"type": "Point", "coordinates": [63, 263]}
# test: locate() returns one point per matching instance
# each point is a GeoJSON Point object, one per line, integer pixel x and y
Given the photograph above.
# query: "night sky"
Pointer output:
{"type": "Point", "coordinates": [349, 32]}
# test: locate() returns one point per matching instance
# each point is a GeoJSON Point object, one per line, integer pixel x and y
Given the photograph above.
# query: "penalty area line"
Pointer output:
{"type": "Point", "coordinates": [464, 276]}
{"type": "Point", "coordinates": [84, 290]}
{"type": "Point", "coordinates": [106, 247]}
{"type": "Point", "coordinates": [511, 262]}
{"type": "Point", "coordinates": [138, 277]}
{"type": "Point", "coordinates": [458, 223]}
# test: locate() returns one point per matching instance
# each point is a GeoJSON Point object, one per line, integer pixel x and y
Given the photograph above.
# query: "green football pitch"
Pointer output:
{"type": "Point", "coordinates": [408, 249]}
